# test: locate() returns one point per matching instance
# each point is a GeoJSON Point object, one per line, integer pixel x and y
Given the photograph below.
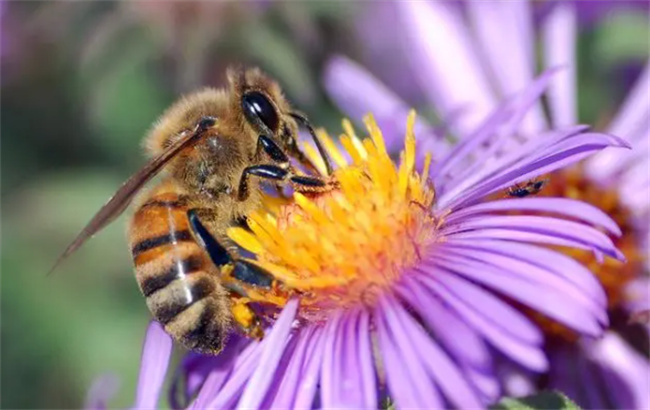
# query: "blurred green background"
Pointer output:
{"type": "Point", "coordinates": [80, 84]}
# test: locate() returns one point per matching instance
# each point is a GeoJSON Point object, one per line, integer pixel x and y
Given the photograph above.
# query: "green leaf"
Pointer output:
{"type": "Point", "coordinates": [622, 37]}
{"type": "Point", "coordinates": [543, 400]}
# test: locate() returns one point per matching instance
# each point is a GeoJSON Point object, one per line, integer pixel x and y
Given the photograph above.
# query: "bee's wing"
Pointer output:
{"type": "Point", "coordinates": [120, 201]}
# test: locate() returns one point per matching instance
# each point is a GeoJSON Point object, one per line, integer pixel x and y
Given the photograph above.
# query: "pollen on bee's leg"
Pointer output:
{"type": "Point", "coordinates": [246, 318]}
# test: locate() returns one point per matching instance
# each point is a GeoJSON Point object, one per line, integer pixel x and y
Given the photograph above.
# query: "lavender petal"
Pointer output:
{"type": "Point", "coordinates": [585, 235]}
{"type": "Point", "coordinates": [445, 63]}
{"type": "Point", "coordinates": [101, 391]}
{"type": "Point", "coordinates": [333, 335]}
{"type": "Point", "coordinates": [561, 155]}
{"type": "Point", "coordinates": [448, 328]}
{"type": "Point", "coordinates": [504, 33]}
{"type": "Point", "coordinates": [565, 267]}
{"type": "Point", "coordinates": [507, 115]}
{"type": "Point", "coordinates": [526, 354]}
{"type": "Point", "coordinates": [586, 372]}
{"type": "Point", "coordinates": [563, 206]}
{"type": "Point", "coordinates": [632, 123]}
{"type": "Point", "coordinates": [358, 93]}
{"type": "Point", "coordinates": [291, 380]}
{"type": "Point", "coordinates": [559, 41]}
{"type": "Point", "coordinates": [310, 376]}
{"type": "Point", "coordinates": [613, 353]}
{"type": "Point", "coordinates": [156, 353]}
{"type": "Point", "coordinates": [544, 299]}
{"type": "Point", "coordinates": [272, 348]}
{"type": "Point", "coordinates": [438, 365]}
{"type": "Point", "coordinates": [228, 394]}
{"type": "Point", "coordinates": [407, 380]}
{"type": "Point", "coordinates": [509, 321]}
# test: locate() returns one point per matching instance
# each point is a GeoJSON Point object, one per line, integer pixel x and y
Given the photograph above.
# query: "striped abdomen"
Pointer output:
{"type": "Point", "coordinates": [176, 275]}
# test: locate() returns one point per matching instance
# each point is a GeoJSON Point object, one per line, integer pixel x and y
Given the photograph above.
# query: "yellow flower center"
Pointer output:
{"type": "Point", "coordinates": [343, 248]}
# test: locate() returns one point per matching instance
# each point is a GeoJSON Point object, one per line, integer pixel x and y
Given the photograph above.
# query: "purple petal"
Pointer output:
{"type": "Point", "coordinates": [527, 355]}
{"type": "Point", "coordinates": [553, 262]}
{"type": "Point", "coordinates": [504, 33]}
{"type": "Point", "coordinates": [101, 391]}
{"type": "Point", "coordinates": [272, 349]}
{"type": "Point", "coordinates": [634, 113]}
{"type": "Point", "coordinates": [497, 159]}
{"type": "Point", "coordinates": [537, 294]}
{"type": "Point", "coordinates": [358, 93]}
{"type": "Point", "coordinates": [156, 353]}
{"type": "Point", "coordinates": [407, 380]}
{"type": "Point", "coordinates": [537, 275]}
{"type": "Point", "coordinates": [310, 375]}
{"type": "Point", "coordinates": [348, 377]}
{"type": "Point", "coordinates": [509, 320]}
{"type": "Point", "coordinates": [563, 154]}
{"type": "Point", "coordinates": [449, 328]}
{"type": "Point", "coordinates": [332, 347]}
{"type": "Point", "coordinates": [485, 383]}
{"type": "Point", "coordinates": [562, 374]}
{"type": "Point", "coordinates": [631, 123]}
{"type": "Point", "coordinates": [614, 169]}
{"type": "Point", "coordinates": [437, 364]}
{"type": "Point", "coordinates": [517, 382]}
{"type": "Point", "coordinates": [527, 236]}
{"type": "Point", "coordinates": [507, 115]}
{"type": "Point", "coordinates": [363, 348]}
{"type": "Point", "coordinates": [564, 206]}
{"type": "Point", "coordinates": [227, 395]}
{"type": "Point", "coordinates": [628, 366]}
{"type": "Point", "coordinates": [444, 62]}
{"type": "Point", "coordinates": [587, 236]}
{"type": "Point", "coordinates": [205, 374]}
{"type": "Point", "coordinates": [289, 354]}
{"type": "Point", "coordinates": [559, 39]}
{"type": "Point", "coordinates": [637, 294]}
{"type": "Point", "coordinates": [292, 377]}
{"type": "Point", "coordinates": [587, 376]}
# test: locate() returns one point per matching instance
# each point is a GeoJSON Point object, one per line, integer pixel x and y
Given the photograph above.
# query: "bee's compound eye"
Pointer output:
{"type": "Point", "coordinates": [257, 106]}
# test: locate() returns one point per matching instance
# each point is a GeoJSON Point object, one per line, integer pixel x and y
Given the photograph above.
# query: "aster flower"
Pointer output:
{"type": "Point", "coordinates": [395, 265]}
{"type": "Point", "coordinates": [469, 61]}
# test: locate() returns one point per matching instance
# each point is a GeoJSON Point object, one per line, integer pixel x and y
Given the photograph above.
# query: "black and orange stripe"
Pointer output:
{"type": "Point", "coordinates": [176, 275]}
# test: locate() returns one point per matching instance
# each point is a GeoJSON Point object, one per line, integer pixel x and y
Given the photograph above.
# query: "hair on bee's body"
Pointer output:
{"type": "Point", "coordinates": [215, 146]}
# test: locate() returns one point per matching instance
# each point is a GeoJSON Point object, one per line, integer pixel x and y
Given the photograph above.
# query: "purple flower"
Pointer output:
{"type": "Point", "coordinates": [467, 60]}
{"type": "Point", "coordinates": [388, 271]}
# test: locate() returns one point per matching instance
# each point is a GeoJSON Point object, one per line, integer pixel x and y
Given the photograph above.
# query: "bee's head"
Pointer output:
{"type": "Point", "coordinates": [263, 105]}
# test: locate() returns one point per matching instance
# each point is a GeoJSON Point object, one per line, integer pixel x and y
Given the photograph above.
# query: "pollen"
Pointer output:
{"type": "Point", "coordinates": [344, 247]}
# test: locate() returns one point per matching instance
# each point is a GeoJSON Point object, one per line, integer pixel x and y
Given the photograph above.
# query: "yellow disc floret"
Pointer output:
{"type": "Point", "coordinates": [344, 247]}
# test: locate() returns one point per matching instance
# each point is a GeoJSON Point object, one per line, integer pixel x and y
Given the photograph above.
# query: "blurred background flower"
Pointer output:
{"type": "Point", "coordinates": [82, 81]}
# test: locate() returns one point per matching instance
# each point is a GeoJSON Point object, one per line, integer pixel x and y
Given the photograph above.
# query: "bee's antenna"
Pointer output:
{"type": "Point", "coordinates": [321, 150]}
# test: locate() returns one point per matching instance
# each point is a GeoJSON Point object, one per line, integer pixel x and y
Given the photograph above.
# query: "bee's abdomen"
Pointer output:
{"type": "Point", "coordinates": [176, 276]}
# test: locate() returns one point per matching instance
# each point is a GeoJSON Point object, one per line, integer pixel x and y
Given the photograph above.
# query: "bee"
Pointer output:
{"type": "Point", "coordinates": [531, 188]}
{"type": "Point", "coordinates": [215, 146]}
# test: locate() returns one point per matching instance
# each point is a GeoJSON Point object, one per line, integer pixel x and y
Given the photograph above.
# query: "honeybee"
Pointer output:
{"type": "Point", "coordinates": [215, 146]}
{"type": "Point", "coordinates": [531, 188]}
